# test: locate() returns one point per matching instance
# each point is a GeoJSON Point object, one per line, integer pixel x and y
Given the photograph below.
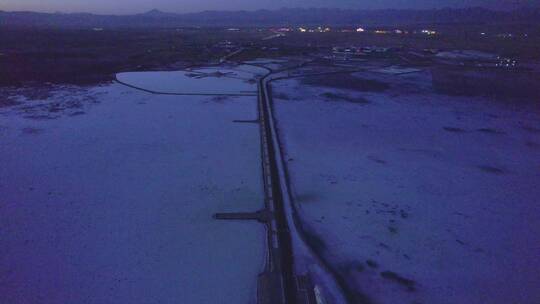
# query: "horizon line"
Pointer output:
{"type": "Point", "coordinates": [260, 9]}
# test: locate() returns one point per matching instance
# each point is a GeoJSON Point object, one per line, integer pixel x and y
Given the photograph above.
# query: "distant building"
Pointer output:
{"type": "Point", "coordinates": [226, 44]}
{"type": "Point", "coordinates": [374, 49]}
{"type": "Point", "coordinates": [467, 55]}
{"type": "Point", "coordinates": [507, 63]}
{"type": "Point", "coordinates": [476, 59]}
{"type": "Point", "coordinates": [429, 32]}
{"type": "Point", "coordinates": [431, 51]}
{"type": "Point", "coordinates": [283, 29]}
{"type": "Point", "coordinates": [354, 52]}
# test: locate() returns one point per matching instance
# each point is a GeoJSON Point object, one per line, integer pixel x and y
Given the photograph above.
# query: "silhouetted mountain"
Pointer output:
{"type": "Point", "coordinates": [155, 13]}
{"type": "Point", "coordinates": [314, 16]}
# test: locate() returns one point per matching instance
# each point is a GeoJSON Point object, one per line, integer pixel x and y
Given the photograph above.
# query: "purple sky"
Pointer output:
{"type": "Point", "coordinates": [138, 6]}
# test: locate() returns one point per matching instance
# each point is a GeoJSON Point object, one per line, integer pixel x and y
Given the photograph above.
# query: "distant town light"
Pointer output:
{"type": "Point", "coordinates": [360, 30]}
{"type": "Point", "coordinates": [429, 32]}
{"type": "Point", "coordinates": [302, 30]}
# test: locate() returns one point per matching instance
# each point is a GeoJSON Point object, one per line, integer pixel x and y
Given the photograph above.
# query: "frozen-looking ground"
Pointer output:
{"type": "Point", "coordinates": [213, 80]}
{"type": "Point", "coordinates": [413, 196]}
{"type": "Point", "coordinates": [107, 195]}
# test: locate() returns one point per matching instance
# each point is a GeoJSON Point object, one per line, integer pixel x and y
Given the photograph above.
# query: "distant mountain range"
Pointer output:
{"type": "Point", "coordinates": [282, 17]}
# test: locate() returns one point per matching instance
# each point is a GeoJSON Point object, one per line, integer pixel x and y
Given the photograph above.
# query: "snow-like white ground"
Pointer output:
{"type": "Point", "coordinates": [413, 196]}
{"type": "Point", "coordinates": [266, 61]}
{"type": "Point", "coordinates": [213, 80]}
{"type": "Point", "coordinates": [396, 70]}
{"type": "Point", "coordinates": [107, 196]}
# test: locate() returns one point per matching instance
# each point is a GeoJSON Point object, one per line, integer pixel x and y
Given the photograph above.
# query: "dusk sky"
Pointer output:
{"type": "Point", "coordinates": [180, 6]}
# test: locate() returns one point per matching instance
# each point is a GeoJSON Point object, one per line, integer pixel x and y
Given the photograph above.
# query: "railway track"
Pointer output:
{"type": "Point", "coordinates": [293, 273]}
{"type": "Point", "coordinates": [277, 283]}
